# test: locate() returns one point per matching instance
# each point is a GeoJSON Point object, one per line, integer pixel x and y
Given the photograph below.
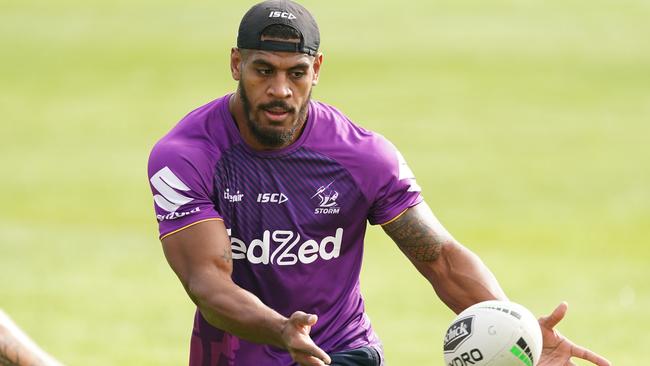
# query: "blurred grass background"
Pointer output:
{"type": "Point", "coordinates": [526, 122]}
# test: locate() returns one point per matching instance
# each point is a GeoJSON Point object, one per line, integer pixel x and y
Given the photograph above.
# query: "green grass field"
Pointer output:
{"type": "Point", "coordinates": [526, 122]}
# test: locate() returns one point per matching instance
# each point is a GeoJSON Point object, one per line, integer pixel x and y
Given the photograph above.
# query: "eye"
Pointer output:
{"type": "Point", "coordinates": [297, 74]}
{"type": "Point", "coordinates": [264, 71]}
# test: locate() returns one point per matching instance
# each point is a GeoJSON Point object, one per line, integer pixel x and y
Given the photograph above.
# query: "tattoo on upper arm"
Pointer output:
{"type": "Point", "coordinates": [415, 236]}
{"type": "Point", "coordinates": [227, 255]}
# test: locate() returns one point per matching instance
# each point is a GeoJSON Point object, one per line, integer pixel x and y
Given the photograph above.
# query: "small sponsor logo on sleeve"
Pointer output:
{"type": "Point", "coordinates": [168, 184]}
{"type": "Point", "coordinates": [177, 215]}
{"type": "Point", "coordinates": [169, 199]}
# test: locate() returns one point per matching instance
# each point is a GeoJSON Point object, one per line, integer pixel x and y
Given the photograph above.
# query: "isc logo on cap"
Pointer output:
{"type": "Point", "coordinates": [282, 14]}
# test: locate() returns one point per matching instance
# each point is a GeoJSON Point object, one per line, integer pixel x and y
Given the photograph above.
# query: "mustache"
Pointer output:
{"type": "Point", "coordinates": [277, 104]}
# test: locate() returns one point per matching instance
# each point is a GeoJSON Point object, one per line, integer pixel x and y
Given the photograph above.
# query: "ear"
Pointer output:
{"type": "Point", "coordinates": [235, 63]}
{"type": "Point", "coordinates": [318, 62]}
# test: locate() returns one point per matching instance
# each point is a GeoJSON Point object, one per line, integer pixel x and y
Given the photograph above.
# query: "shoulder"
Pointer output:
{"type": "Point", "coordinates": [371, 159]}
{"type": "Point", "coordinates": [333, 128]}
{"type": "Point", "coordinates": [197, 139]}
{"type": "Point", "coordinates": [192, 147]}
{"type": "Point", "coordinates": [339, 137]}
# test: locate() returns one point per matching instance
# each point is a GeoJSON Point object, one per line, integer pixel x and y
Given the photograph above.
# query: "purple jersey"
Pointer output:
{"type": "Point", "coordinates": [296, 219]}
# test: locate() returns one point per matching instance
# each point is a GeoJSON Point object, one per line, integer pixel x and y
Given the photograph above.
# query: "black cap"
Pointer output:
{"type": "Point", "coordinates": [284, 12]}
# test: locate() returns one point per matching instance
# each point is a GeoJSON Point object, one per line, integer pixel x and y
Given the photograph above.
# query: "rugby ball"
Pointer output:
{"type": "Point", "coordinates": [493, 333]}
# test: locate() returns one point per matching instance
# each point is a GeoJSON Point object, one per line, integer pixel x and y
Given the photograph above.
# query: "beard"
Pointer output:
{"type": "Point", "coordinates": [268, 136]}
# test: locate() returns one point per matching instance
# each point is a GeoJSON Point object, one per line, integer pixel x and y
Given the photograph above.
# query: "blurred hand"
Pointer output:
{"type": "Point", "coordinates": [297, 341]}
{"type": "Point", "coordinates": [557, 349]}
{"type": "Point", "coordinates": [17, 349]}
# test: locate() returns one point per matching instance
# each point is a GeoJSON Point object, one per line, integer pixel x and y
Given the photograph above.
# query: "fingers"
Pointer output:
{"type": "Point", "coordinates": [310, 355]}
{"type": "Point", "coordinates": [314, 351]}
{"type": "Point", "coordinates": [563, 347]}
{"type": "Point", "coordinates": [303, 319]}
{"type": "Point", "coordinates": [303, 350]}
{"type": "Point", "coordinates": [556, 316]}
{"type": "Point", "coordinates": [585, 354]}
{"type": "Point", "coordinates": [304, 359]}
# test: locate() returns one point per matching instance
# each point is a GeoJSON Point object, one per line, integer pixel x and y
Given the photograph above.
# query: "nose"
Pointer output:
{"type": "Point", "coordinates": [279, 87]}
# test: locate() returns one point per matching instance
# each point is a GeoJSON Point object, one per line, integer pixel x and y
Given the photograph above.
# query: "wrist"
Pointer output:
{"type": "Point", "coordinates": [282, 327]}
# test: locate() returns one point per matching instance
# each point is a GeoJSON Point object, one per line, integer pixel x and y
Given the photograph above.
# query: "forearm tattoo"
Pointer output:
{"type": "Point", "coordinates": [415, 236]}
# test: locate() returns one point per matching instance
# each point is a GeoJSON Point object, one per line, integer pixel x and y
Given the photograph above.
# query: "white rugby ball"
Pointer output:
{"type": "Point", "coordinates": [493, 333]}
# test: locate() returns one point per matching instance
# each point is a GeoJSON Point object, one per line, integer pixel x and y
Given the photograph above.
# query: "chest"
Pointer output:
{"type": "Point", "coordinates": [302, 192]}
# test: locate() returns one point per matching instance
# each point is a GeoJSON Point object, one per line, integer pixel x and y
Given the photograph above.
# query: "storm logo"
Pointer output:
{"type": "Point", "coordinates": [327, 197]}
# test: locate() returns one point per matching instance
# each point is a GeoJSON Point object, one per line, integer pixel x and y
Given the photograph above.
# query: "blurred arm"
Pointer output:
{"type": "Point", "coordinates": [201, 256]}
{"type": "Point", "coordinates": [458, 276]}
{"type": "Point", "coordinates": [16, 349]}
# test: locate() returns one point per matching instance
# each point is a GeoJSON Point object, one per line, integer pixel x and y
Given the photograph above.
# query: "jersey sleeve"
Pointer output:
{"type": "Point", "coordinates": [395, 186]}
{"type": "Point", "coordinates": [181, 181]}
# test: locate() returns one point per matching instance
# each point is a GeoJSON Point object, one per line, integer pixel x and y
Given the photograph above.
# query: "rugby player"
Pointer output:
{"type": "Point", "coordinates": [262, 198]}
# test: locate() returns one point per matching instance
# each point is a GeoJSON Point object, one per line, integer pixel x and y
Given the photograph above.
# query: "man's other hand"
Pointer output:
{"type": "Point", "coordinates": [303, 350]}
{"type": "Point", "coordinates": [557, 349]}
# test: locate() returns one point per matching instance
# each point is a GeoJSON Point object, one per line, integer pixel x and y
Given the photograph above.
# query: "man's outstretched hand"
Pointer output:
{"type": "Point", "coordinates": [302, 349]}
{"type": "Point", "coordinates": [557, 349]}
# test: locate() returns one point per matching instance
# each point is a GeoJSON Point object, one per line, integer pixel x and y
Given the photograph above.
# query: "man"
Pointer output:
{"type": "Point", "coordinates": [262, 198]}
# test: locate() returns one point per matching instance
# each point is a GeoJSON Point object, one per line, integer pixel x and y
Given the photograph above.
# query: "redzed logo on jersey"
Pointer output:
{"type": "Point", "coordinates": [277, 247]}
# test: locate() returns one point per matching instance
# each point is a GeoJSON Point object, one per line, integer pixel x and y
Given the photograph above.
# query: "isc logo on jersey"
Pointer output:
{"type": "Point", "coordinates": [272, 198]}
{"type": "Point", "coordinates": [286, 248]}
{"type": "Point", "coordinates": [168, 198]}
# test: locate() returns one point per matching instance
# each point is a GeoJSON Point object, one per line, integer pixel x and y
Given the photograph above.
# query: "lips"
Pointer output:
{"type": "Point", "coordinates": [276, 113]}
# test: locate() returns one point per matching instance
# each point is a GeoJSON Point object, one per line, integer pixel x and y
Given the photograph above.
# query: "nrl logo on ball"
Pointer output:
{"type": "Point", "coordinates": [457, 333]}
